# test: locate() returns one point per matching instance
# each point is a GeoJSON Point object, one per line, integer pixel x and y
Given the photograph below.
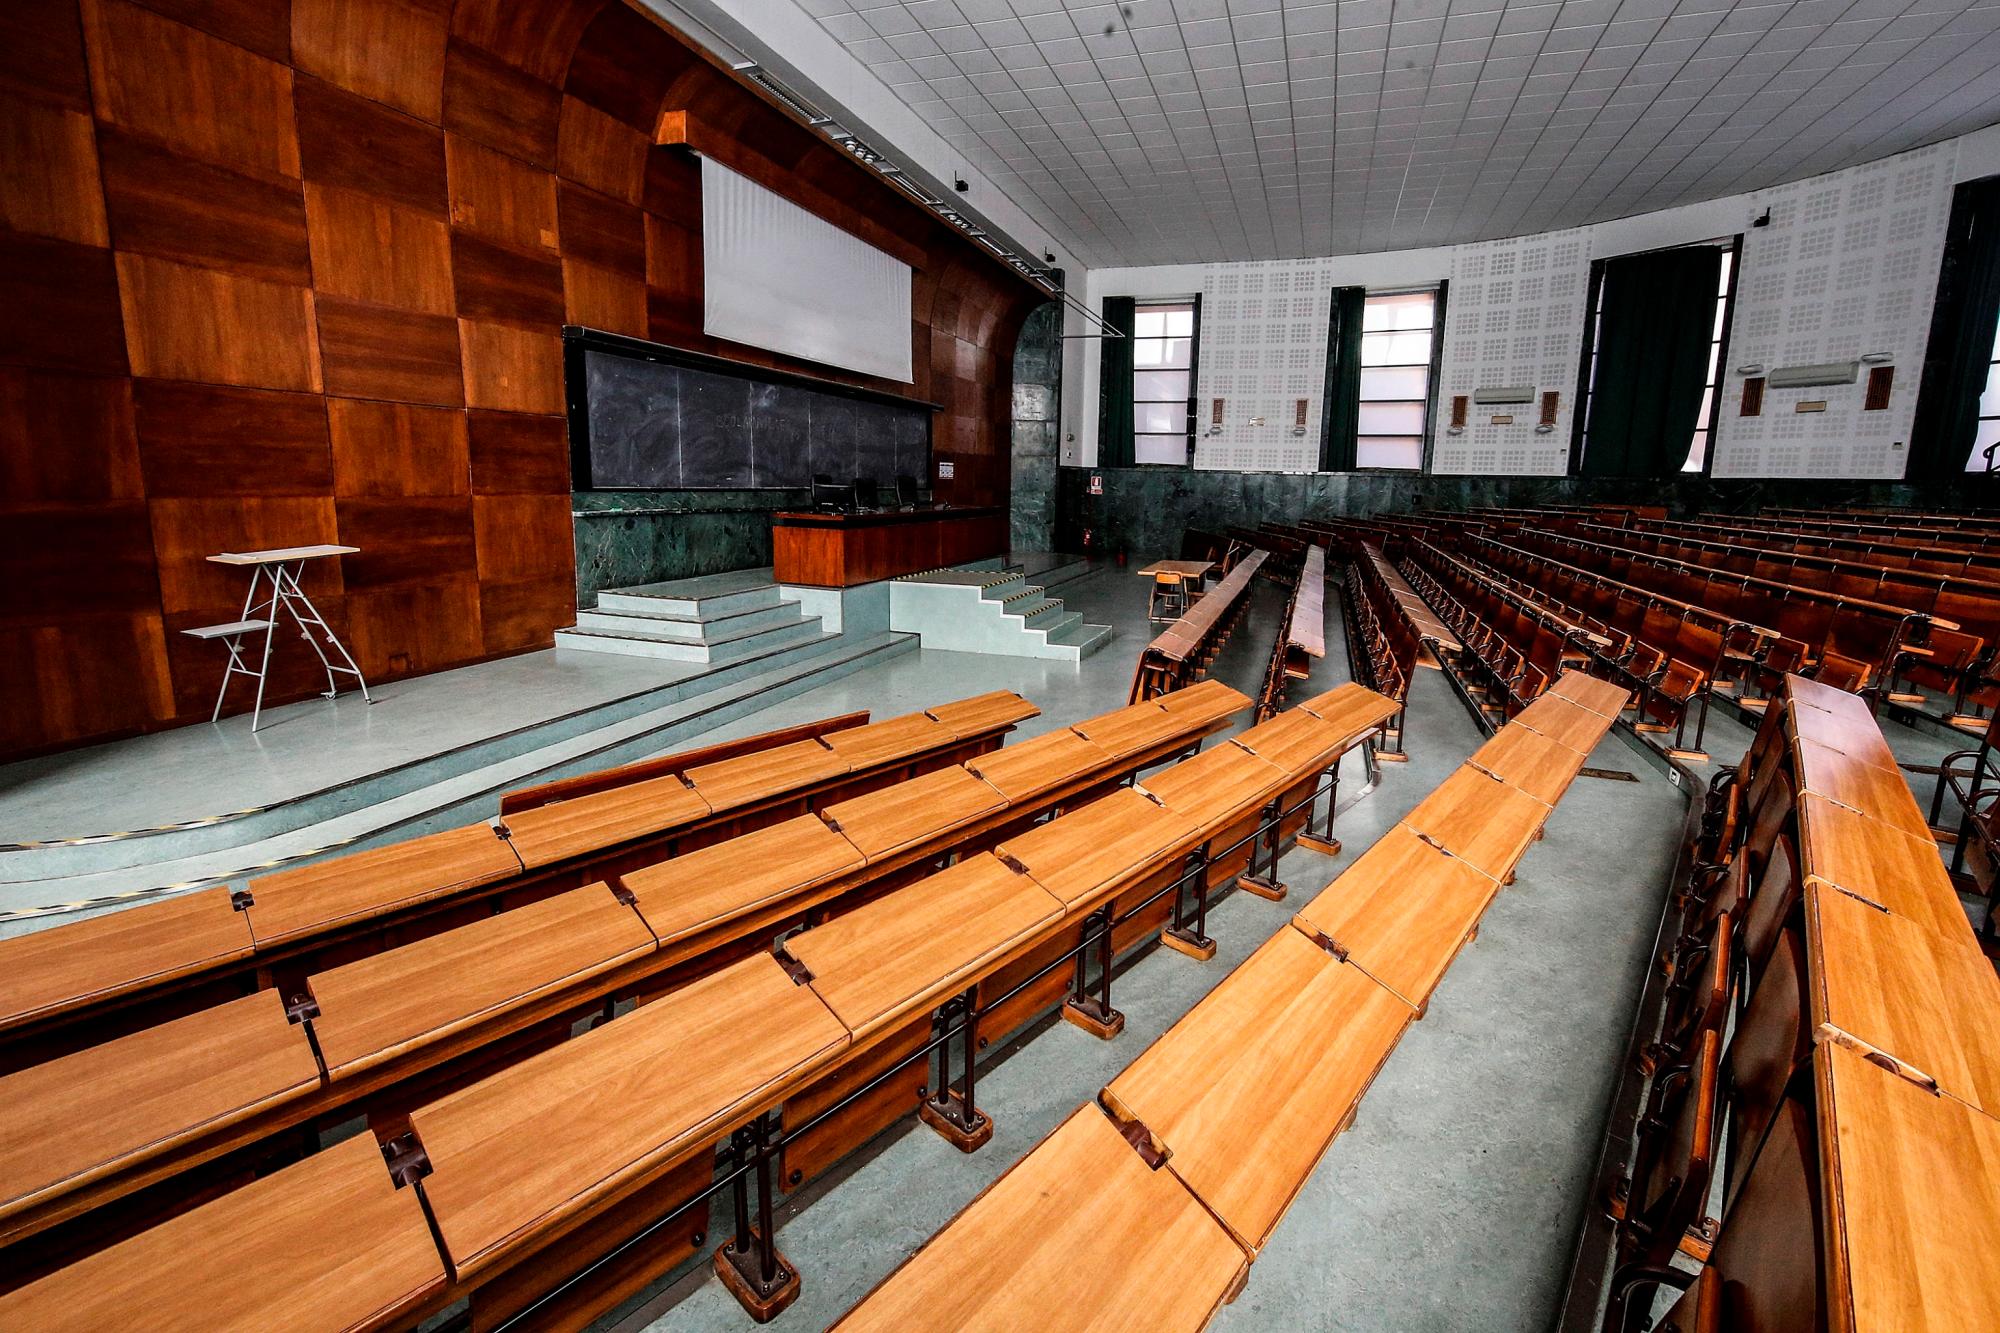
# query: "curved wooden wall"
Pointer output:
{"type": "Point", "coordinates": [286, 271]}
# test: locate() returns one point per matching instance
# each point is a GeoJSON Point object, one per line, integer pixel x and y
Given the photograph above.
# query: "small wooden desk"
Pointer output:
{"type": "Point", "coordinates": [1879, 863]}
{"type": "Point", "coordinates": [889, 740]}
{"type": "Point", "coordinates": [293, 904]}
{"type": "Point", "coordinates": [1401, 913]}
{"type": "Point", "coordinates": [1026, 769]}
{"type": "Point", "coordinates": [558, 1137]}
{"type": "Point", "coordinates": [899, 957]}
{"type": "Point", "coordinates": [329, 1242]}
{"type": "Point", "coordinates": [1912, 1207]}
{"type": "Point", "coordinates": [1565, 722]}
{"type": "Point", "coordinates": [1854, 734]}
{"type": "Point", "coordinates": [773, 869]}
{"type": "Point", "coordinates": [1930, 1004]}
{"type": "Point", "coordinates": [1194, 570]}
{"type": "Point", "coordinates": [1217, 787]}
{"type": "Point", "coordinates": [731, 784]}
{"type": "Point", "coordinates": [1480, 820]}
{"type": "Point", "coordinates": [1879, 793]}
{"type": "Point", "coordinates": [1249, 1088]}
{"type": "Point", "coordinates": [883, 823]}
{"type": "Point", "coordinates": [378, 1008]}
{"type": "Point", "coordinates": [992, 711]}
{"type": "Point", "coordinates": [1099, 848]}
{"type": "Point", "coordinates": [67, 967]}
{"type": "Point", "coordinates": [603, 820]}
{"type": "Point", "coordinates": [1529, 761]}
{"type": "Point", "coordinates": [105, 1110]}
{"type": "Point", "coordinates": [1827, 699]}
{"type": "Point", "coordinates": [1079, 1235]}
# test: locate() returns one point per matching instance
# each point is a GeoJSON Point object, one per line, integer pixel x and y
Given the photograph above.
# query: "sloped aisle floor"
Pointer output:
{"type": "Point", "coordinates": [1453, 1202]}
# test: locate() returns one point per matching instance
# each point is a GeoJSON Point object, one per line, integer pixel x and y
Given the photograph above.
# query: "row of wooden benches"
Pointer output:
{"type": "Point", "coordinates": [1954, 661]}
{"type": "Point", "coordinates": [1391, 632]}
{"type": "Point", "coordinates": [1899, 530]}
{"type": "Point", "coordinates": [1828, 1062]}
{"type": "Point", "coordinates": [371, 1032]}
{"type": "Point", "coordinates": [1180, 654]}
{"type": "Point", "coordinates": [571, 1156]}
{"type": "Point", "coordinates": [1146, 1208]}
{"type": "Point", "coordinates": [1301, 635]}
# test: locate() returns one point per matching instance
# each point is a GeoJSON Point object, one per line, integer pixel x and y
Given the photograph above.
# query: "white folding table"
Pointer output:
{"type": "Point", "coordinates": [274, 586]}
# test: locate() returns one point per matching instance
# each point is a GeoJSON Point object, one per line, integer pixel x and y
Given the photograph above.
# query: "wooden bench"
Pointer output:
{"type": "Point", "coordinates": [1180, 654]}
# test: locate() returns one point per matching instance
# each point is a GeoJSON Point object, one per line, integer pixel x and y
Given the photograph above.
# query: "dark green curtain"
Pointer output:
{"type": "Point", "coordinates": [1652, 361]}
{"type": "Point", "coordinates": [1340, 408]}
{"type": "Point", "coordinates": [1962, 325]}
{"type": "Point", "coordinates": [1114, 386]}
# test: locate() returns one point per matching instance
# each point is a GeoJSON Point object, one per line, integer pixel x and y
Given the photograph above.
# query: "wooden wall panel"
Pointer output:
{"type": "Point", "coordinates": [492, 103]}
{"type": "Point", "coordinates": [178, 208]}
{"type": "Point", "coordinates": [390, 50]}
{"type": "Point", "coordinates": [48, 173]}
{"type": "Point", "coordinates": [200, 440]}
{"type": "Point", "coordinates": [66, 439]}
{"type": "Point", "coordinates": [514, 454]}
{"type": "Point", "coordinates": [373, 249]}
{"type": "Point", "coordinates": [375, 352]}
{"type": "Point", "coordinates": [206, 97]}
{"type": "Point", "coordinates": [510, 368]}
{"type": "Point", "coordinates": [200, 324]}
{"type": "Point", "coordinates": [357, 144]}
{"type": "Point", "coordinates": [385, 449]}
{"type": "Point", "coordinates": [287, 271]}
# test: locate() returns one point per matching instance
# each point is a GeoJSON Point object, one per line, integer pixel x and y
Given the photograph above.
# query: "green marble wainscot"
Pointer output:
{"type": "Point", "coordinates": [1037, 412]}
{"type": "Point", "coordinates": [625, 538]}
{"type": "Point", "coordinates": [1143, 510]}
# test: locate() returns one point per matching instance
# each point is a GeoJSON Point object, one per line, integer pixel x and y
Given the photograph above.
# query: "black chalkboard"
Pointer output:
{"type": "Point", "coordinates": [645, 416]}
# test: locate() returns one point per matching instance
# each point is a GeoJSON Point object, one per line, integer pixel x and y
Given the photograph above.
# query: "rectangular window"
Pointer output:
{"type": "Point", "coordinates": [1986, 441]}
{"type": "Point", "coordinates": [1398, 346]}
{"type": "Point", "coordinates": [1162, 381]}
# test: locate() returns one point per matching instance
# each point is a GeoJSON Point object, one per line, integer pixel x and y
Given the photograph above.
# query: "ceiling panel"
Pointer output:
{"type": "Point", "coordinates": [1174, 131]}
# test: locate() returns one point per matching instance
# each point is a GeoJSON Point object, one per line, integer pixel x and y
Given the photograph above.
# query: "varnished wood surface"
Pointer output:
{"type": "Point", "coordinates": [380, 1007]}
{"type": "Point", "coordinates": [1913, 1201]}
{"type": "Point", "coordinates": [1931, 1004]}
{"type": "Point", "coordinates": [887, 821]}
{"type": "Point", "coordinates": [1402, 912]}
{"type": "Point", "coordinates": [889, 740]}
{"type": "Point", "coordinates": [1880, 863]}
{"type": "Point", "coordinates": [1215, 788]}
{"type": "Point", "coordinates": [697, 891]}
{"type": "Point", "coordinates": [844, 550]}
{"type": "Point", "coordinates": [1204, 702]}
{"type": "Point", "coordinates": [1026, 769]}
{"type": "Point", "coordinates": [562, 829]}
{"type": "Point", "coordinates": [1248, 1089]}
{"type": "Point", "coordinates": [1837, 720]}
{"type": "Point", "coordinates": [107, 1107]}
{"type": "Point", "coordinates": [1296, 742]}
{"type": "Point", "coordinates": [1841, 703]}
{"type": "Point", "coordinates": [524, 1154]}
{"type": "Point", "coordinates": [1096, 849]}
{"type": "Point", "coordinates": [292, 904]}
{"type": "Point", "coordinates": [50, 971]}
{"type": "Point", "coordinates": [902, 955]}
{"type": "Point", "coordinates": [1530, 761]}
{"type": "Point", "coordinates": [747, 779]}
{"type": "Point", "coordinates": [1187, 569]}
{"type": "Point", "coordinates": [984, 712]}
{"type": "Point", "coordinates": [1560, 720]}
{"type": "Point", "coordinates": [1127, 731]}
{"type": "Point", "coordinates": [1877, 792]}
{"type": "Point", "coordinates": [1480, 820]}
{"type": "Point", "coordinates": [1587, 691]}
{"type": "Point", "coordinates": [325, 1243]}
{"type": "Point", "coordinates": [1353, 708]}
{"type": "Point", "coordinates": [1080, 1235]}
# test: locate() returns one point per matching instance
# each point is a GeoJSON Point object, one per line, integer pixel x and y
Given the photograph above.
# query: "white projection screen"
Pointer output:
{"type": "Point", "coordinates": [775, 276]}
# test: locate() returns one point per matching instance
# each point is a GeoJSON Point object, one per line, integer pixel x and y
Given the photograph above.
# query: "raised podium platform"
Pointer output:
{"type": "Point", "coordinates": [818, 550]}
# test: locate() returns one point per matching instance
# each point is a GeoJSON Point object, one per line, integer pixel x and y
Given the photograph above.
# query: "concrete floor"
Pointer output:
{"type": "Point", "coordinates": [1453, 1203]}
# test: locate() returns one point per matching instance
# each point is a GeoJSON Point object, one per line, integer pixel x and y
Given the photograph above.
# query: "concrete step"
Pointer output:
{"type": "Point", "coordinates": [670, 625]}
{"type": "Point", "coordinates": [463, 796]}
{"type": "Point", "coordinates": [706, 598]}
{"type": "Point", "coordinates": [1035, 615]}
{"type": "Point", "coordinates": [1052, 626]}
{"type": "Point", "coordinates": [640, 641]}
{"type": "Point", "coordinates": [1083, 637]}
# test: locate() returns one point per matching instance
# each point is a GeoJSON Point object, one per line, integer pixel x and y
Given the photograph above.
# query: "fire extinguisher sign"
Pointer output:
{"type": "Point", "coordinates": [1097, 483]}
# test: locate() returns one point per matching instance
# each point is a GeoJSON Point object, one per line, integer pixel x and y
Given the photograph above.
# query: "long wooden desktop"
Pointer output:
{"type": "Point", "coordinates": [842, 550]}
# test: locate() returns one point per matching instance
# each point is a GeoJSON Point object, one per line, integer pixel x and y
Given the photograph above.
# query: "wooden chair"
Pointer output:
{"type": "Point", "coordinates": [1698, 1000]}
{"type": "Point", "coordinates": [1668, 1192]}
{"type": "Point", "coordinates": [1169, 600]}
{"type": "Point", "coordinates": [1772, 1041]}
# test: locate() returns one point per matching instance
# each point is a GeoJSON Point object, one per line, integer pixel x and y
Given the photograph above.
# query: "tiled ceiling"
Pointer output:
{"type": "Point", "coordinates": [1170, 131]}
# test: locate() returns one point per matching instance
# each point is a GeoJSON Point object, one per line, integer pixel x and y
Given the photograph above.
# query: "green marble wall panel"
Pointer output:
{"type": "Point", "coordinates": [1037, 416]}
{"type": "Point", "coordinates": [630, 537]}
{"type": "Point", "coordinates": [1143, 510]}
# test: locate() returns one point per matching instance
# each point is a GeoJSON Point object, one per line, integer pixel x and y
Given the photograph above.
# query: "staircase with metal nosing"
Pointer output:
{"type": "Point", "coordinates": [996, 610]}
